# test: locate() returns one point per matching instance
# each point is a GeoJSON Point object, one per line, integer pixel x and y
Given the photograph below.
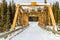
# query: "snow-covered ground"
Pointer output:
{"type": "Point", "coordinates": [34, 32]}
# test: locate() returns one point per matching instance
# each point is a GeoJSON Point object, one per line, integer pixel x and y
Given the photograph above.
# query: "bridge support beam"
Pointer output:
{"type": "Point", "coordinates": [52, 18]}
{"type": "Point", "coordinates": [15, 17]}
{"type": "Point", "coordinates": [40, 20]}
{"type": "Point", "coordinates": [24, 20]}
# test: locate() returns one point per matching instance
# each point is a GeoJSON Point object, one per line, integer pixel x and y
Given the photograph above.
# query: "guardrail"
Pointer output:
{"type": "Point", "coordinates": [9, 32]}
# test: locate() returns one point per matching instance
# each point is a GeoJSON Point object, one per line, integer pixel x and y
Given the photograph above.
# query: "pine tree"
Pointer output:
{"type": "Point", "coordinates": [59, 17]}
{"type": "Point", "coordinates": [6, 15]}
{"type": "Point", "coordinates": [1, 22]}
{"type": "Point", "coordinates": [3, 14]}
{"type": "Point", "coordinates": [8, 24]}
{"type": "Point", "coordinates": [10, 9]}
{"type": "Point", "coordinates": [55, 9]}
{"type": "Point", "coordinates": [13, 10]}
{"type": "Point", "coordinates": [45, 1]}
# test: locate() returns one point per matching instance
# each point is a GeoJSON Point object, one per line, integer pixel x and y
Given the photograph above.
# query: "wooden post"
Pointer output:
{"type": "Point", "coordinates": [44, 18]}
{"type": "Point", "coordinates": [49, 22]}
{"type": "Point", "coordinates": [19, 19]}
{"type": "Point", "coordinates": [40, 19]}
{"type": "Point", "coordinates": [15, 17]}
{"type": "Point", "coordinates": [52, 16]}
{"type": "Point", "coordinates": [24, 20]}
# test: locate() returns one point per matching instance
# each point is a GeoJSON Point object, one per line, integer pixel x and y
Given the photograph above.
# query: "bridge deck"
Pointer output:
{"type": "Point", "coordinates": [34, 32]}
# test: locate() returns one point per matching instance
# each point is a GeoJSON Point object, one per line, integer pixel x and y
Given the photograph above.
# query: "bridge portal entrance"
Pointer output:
{"type": "Point", "coordinates": [33, 19]}
{"type": "Point", "coordinates": [25, 16]}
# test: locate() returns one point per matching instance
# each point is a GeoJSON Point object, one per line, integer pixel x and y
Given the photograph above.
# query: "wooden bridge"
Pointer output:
{"type": "Point", "coordinates": [23, 17]}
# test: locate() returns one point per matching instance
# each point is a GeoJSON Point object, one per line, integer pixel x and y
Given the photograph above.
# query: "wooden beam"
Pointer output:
{"type": "Point", "coordinates": [52, 16]}
{"type": "Point", "coordinates": [15, 17]}
{"type": "Point", "coordinates": [34, 4]}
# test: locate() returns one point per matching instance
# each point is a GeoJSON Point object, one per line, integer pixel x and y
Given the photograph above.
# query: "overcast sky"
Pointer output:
{"type": "Point", "coordinates": [28, 1]}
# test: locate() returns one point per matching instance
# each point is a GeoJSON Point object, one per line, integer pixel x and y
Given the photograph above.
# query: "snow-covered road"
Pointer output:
{"type": "Point", "coordinates": [34, 32]}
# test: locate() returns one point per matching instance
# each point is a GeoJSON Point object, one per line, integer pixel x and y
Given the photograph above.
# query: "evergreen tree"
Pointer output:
{"type": "Point", "coordinates": [8, 25]}
{"type": "Point", "coordinates": [3, 13]}
{"type": "Point", "coordinates": [55, 9]}
{"type": "Point", "coordinates": [13, 10]}
{"type": "Point", "coordinates": [1, 22]}
{"type": "Point", "coordinates": [59, 17]}
{"type": "Point", "coordinates": [10, 9]}
{"type": "Point", "coordinates": [45, 1]}
{"type": "Point", "coordinates": [6, 15]}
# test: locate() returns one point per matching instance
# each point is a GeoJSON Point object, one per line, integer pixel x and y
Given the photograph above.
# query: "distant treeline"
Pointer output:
{"type": "Point", "coordinates": [6, 15]}
{"type": "Point", "coordinates": [7, 12]}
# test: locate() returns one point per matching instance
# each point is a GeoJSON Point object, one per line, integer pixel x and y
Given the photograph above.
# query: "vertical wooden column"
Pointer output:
{"type": "Point", "coordinates": [44, 18]}
{"type": "Point", "coordinates": [24, 20]}
{"type": "Point", "coordinates": [19, 19]}
{"type": "Point", "coordinates": [15, 17]}
{"type": "Point", "coordinates": [40, 20]}
{"type": "Point", "coordinates": [49, 22]}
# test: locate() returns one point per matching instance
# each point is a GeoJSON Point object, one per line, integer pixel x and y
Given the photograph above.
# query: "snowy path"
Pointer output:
{"type": "Point", "coordinates": [34, 32]}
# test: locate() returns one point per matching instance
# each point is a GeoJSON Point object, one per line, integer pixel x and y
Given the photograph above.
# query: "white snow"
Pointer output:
{"type": "Point", "coordinates": [34, 32]}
